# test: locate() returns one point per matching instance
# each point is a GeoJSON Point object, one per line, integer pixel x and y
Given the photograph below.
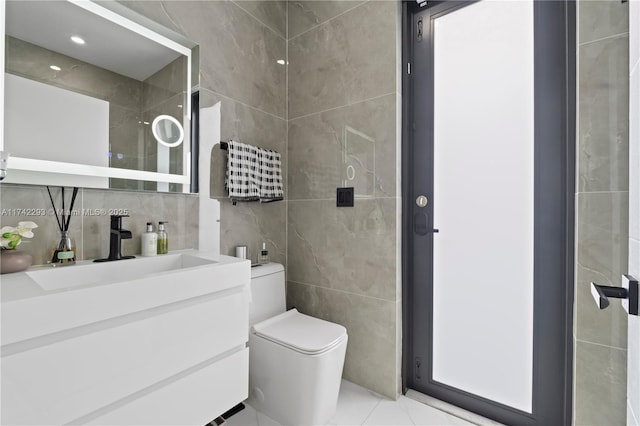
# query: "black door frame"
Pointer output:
{"type": "Point", "coordinates": [555, 35]}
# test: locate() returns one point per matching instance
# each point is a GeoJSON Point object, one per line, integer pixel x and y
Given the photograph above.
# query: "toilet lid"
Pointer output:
{"type": "Point", "coordinates": [301, 332]}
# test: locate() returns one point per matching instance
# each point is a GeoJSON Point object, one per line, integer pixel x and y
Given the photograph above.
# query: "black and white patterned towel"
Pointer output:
{"type": "Point", "coordinates": [253, 173]}
{"type": "Point", "coordinates": [242, 181]}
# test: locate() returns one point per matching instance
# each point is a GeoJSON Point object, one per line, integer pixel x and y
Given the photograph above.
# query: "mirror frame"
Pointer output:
{"type": "Point", "coordinates": [26, 166]}
{"type": "Point", "coordinates": [159, 139]}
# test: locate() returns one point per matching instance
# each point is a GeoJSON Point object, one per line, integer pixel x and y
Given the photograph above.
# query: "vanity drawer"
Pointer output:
{"type": "Point", "coordinates": [63, 381]}
{"type": "Point", "coordinates": [196, 399]}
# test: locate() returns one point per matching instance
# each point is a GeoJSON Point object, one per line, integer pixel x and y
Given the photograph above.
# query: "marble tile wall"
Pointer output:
{"type": "Point", "coordinates": [90, 221]}
{"type": "Point", "coordinates": [347, 59]}
{"type": "Point", "coordinates": [240, 44]}
{"type": "Point", "coordinates": [238, 52]}
{"type": "Point", "coordinates": [344, 263]}
{"type": "Point", "coordinates": [602, 210]}
{"type": "Point", "coordinates": [304, 15]}
{"type": "Point", "coordinates": [633, 341]}
{"type": "Point", "coordinates": [164, 84]}
{"type": "Point", "coordinates": [272, 14]}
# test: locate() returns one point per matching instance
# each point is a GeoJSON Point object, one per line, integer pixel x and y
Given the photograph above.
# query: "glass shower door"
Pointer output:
{"type": "Point", "coordinates": [490, 187]}
{"type": "Point", "coordinates": [483, 201]}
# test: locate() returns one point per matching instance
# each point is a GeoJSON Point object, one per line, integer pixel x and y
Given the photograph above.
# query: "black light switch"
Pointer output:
{"type": "Point", "coordinates": [344, 197]}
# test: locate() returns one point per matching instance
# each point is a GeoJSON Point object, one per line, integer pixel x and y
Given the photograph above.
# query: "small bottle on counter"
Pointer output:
{"type": "Point", "coordinates": [65, 252]}
{"type": "Point", "coordinates": [163, 238]}
{"type": "Point", "coordinates": [241, 252]}
{"type": "Point", "coordinates": [264, 255]}
{"type": "Point", "coordinates": [149, 241]}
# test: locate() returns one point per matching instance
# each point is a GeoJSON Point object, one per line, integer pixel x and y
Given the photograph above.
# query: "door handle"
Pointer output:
{"type": "Point", "coordinates": [420, 225]}
{"type": "Point", "coordinates": [602, 293]}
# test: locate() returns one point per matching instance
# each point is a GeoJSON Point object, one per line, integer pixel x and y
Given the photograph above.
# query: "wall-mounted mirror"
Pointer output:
{"type": "Point", "coordinates": [85, 83]}
{"type": "Point", "coordinates": [167, 130]}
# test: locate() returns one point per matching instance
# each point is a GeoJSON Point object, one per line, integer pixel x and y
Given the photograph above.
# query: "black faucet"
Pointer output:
{"type": "Point", "coordinates": [117, 234]}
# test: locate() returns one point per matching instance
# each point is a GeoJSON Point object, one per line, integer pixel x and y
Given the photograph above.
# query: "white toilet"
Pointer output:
{"type": "Point", "coordinates": [295, 361]}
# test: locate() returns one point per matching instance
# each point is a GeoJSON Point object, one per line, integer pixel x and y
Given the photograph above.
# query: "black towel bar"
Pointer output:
{"type": "Point", "coordinates": [225, 146]}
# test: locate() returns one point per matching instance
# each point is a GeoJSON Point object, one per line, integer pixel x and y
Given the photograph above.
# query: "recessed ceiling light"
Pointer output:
{"type": "Point", "coordinates": [55, 67]}
{"type": "Point", "coordinates": [77, 40]}
{"type": "Point", "coordinates": [280, 61]}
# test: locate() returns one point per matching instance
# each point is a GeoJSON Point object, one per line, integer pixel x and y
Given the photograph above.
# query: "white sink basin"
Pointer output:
{"type": "Point", "coordinates": [50, 300]}
{"type": "Point", "coordinates": [109, 343]}
{"type": "Point", "coordinates": [113, 272]}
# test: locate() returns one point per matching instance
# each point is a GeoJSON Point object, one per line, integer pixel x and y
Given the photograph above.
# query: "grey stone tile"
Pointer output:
{"type": "Point", "coordinates": [247, 125]}
{"type": "Point", "coordinates": [603, 235]}
{"type": "Point", "coordinates": [31, 203]}
{"type": "Point", "coordinates": [165, 84]}
{"type": "Point", "coordinates": [371, 326]}
{"type": "Point", "coordinates": [602, 258]}
{"type": "Point", "coordinates": [601, 18]}
{"type": "Point", "coordinates": [350, 249]}
{"type": "Point", "coordinates": [180, 210]}
{"type": "Point", "coordinates": [237, 55]}
{"type": "Point", "coordinates": [154, 10]}
{"type": "Point", "coordinates": [272, 13]}
{"type": "Point", "coordinates": [304, 15]}
{"type": "Point", "coordinates": [600, 385]}
{"type": "Point", "coordinates": [349, 59]}
{"type": "Point", "coordinates": [322, 146]}
{"type": "Point", "coordinates": [603, 326]}
{"type": "Point", "coordinates": [603, 141]}
{"type": "Point", "coordinates": [251, 224]}
{"type": "Point", "coordinates": [124, 125]}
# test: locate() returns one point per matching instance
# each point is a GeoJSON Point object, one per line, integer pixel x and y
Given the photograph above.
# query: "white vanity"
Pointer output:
{"type": "Point", "coordinates": [146, 341]}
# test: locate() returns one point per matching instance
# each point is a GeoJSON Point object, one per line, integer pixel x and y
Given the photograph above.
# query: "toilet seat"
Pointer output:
{"type": "Point", "coordinates": [300, 332]}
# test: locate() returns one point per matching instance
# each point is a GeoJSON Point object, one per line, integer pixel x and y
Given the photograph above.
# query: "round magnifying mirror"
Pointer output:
{"type": "Point", "coordinates": [167, 130]}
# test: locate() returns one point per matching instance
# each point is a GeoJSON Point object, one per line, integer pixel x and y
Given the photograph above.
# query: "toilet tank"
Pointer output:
{"type": "Point", "coordinates": [267, 292]}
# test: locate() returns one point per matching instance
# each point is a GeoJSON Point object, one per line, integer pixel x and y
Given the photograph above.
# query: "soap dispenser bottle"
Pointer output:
{"type": "Point", "coordinates": [163, 238]}
{"type": "Point", "coordinates": [149, 241]}
{"type": "Point", "coordinates": [264, 255]}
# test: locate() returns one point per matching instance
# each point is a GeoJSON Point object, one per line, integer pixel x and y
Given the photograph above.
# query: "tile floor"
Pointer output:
{"type": "Point", "coordinates": [359, 406]}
